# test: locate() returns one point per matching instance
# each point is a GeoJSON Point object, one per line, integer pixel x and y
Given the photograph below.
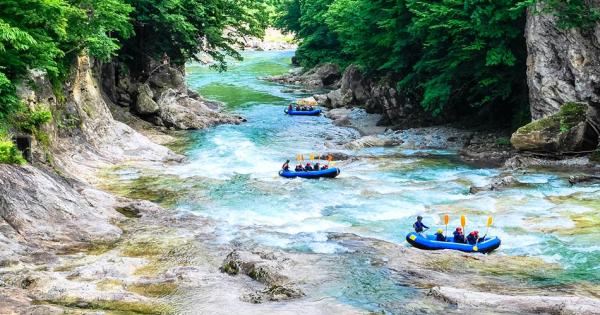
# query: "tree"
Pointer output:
{"type": "Point", "coordinates": [184, 28]}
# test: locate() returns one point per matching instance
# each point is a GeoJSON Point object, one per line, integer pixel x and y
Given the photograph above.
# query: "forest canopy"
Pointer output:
{"type": "Point", "coordinates": [460, 55]}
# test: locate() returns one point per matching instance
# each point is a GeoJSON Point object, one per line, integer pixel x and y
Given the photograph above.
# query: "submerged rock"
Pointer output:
{"type": "Point", "coordinates": [372, 141]}
{"type": "Point", "coordinates": [573, 180]}
{"type": "Point", "coordinates": [264, 268]}
{"type": "Point", "coordinates": [498, 184]}
{"type": "Point", "coordinates": [534, 304]}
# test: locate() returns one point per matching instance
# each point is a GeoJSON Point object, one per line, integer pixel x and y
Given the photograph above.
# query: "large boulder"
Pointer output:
{"type": "Point", "coordinates": [326, 75]}
{"type": "Point", "coordinates": [183, 112]}
{"type": "Point", "coordinates": [145, 104]}
{"type": "Point", "coordinates": [354, 90]}
{"type": "Point", "coordinates": [167, 78]}
{"type": "Point", "coordinates": [566, 131]}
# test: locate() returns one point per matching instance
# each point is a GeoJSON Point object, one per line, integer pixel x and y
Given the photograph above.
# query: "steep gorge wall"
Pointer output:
{"type": "Point", "coordinates": [378, 97]}
{"type": "Point", "coordinates": [563, 64]}
{"type": "Point", "coordinates": [83, 136]}
{"type": "Point", "coordinates": [51, 204]}
{"type": "Point", "coordinates": [563, 69]}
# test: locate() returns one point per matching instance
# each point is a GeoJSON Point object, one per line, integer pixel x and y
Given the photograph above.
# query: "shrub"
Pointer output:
{"type": "Point", "coordinates": [9, 154]}
{"type": "Point", "coordinates": [30, 121]}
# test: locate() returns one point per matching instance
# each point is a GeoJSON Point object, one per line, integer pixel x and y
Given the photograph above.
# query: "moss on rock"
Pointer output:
{"type": "Point", "coordinates": [561, 132]}
{"type": "Point", "coordinates": [126, 307]}
{"type": "Point", "coordinates": [595, 157]}
{"type": "Point", "coordinates": [569, 116]}
{"type": "Point", "coordinates": [153, 289]}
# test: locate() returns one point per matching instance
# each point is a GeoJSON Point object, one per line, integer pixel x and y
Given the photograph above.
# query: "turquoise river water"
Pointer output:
{"type": "Point", "coordinates": [377, 195]}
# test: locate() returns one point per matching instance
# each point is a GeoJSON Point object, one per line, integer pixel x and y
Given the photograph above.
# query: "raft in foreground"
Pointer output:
{"type": "Point", "coordinates": [315, 112]}
{"type": "Point", "coordinates": [429, 243]}
{"type": "Point", "coordinates": [328, 173]}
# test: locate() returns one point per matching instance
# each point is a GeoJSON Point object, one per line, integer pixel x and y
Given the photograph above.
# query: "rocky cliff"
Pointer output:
{"type": "Point", "coordinates": [563, 67]}
{"type": "Point", "coordinates": [83, 136]}
{"type": "Point", "coordinates": [377, 97]}
{"type": "Point", "coordinates": [162, 97]}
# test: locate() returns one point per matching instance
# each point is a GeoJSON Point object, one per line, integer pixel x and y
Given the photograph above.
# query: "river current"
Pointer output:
{"type": "Point", "coordinates": [377, 195]}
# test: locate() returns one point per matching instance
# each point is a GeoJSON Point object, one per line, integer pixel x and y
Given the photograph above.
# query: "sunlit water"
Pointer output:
{"type": "Point", "coordinates": [377, 195]}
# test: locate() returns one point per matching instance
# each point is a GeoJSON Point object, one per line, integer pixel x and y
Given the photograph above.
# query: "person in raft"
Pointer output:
{"type": "Point", "coordinates": [473, 238]}
{"type": "Point", "coordinates": [459, 237]}
{"type": "Point", "coordinates": [290, 108]}
{"type": "Point", "coordinates": [286, 166]}
{"type": "Point", "coordinates": [308, 168]}
{"type": "Point", "coordinates": [439, 236]}
{"type": "Point", "coordinates": [419, 226]}
{"type": "Point", "coordinates": [299, 168]}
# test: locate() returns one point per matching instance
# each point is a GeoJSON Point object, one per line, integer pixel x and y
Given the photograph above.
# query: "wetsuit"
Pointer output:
{"type": "Point", "coordinates": [420, 227]}
{"type": "Point", "coordinates": [459, 237]}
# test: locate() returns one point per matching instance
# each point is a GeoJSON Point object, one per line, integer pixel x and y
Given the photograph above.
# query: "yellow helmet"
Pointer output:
{"type": "Point", "coordinates": [440, 231]}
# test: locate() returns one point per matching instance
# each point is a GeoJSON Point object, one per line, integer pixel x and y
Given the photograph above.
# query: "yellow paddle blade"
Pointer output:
{"type": "Point", "coordinates": [332, 163]}
{"type": "Point", "coordinates": [490, 221]}
{"type": "Point", "coordinates": [446, 219]}
{"type": "Point", "coordinates": [298, 157]}
{"type": "Point", "coordinates": [312, 157]}
{"type": "Point", "coordinates": [330, 158]}
{"type": "Point", "coordinates": [463, 220]}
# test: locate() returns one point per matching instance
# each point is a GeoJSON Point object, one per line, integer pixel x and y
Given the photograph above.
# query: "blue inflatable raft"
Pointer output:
{"type": "Point", "coordinates": [328, 173]}
{"type": "Point", "coordinates": [488, 245]}
{"type": "Point", "coordinates": [315, 112]}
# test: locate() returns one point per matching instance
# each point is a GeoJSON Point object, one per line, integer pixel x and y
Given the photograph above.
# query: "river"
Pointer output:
{"type": "Point", "coordinates": [378, 194]}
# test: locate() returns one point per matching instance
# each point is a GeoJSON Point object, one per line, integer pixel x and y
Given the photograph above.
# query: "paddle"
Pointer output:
{"type": "Point", "coordinates": [463, 223]}
{"type": "Point", "coordinates": [446, 221]}
{"type": "Point", "coordinates": [489, 223]}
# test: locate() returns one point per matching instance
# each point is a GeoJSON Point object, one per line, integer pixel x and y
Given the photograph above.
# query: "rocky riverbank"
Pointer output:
{"type": "Point", "coordinates": [68, 246]}
{"type": "Point", "coordinates": [357, 102]}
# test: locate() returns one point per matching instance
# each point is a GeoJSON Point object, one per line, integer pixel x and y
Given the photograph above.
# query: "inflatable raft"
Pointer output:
{"type": "Point", "coordinates": [489, 244]}
{"type": "Point", "coordinates": [328, 173]}
{"type": "Point", "coordinates": [315, 112]}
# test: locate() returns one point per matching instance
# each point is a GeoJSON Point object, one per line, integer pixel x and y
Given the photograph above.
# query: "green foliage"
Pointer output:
{"type": "Point", "coordinates": [31, 121]}
{"type": "Point", "coordinates": [571, 114]}
{"type": "Point", "coordinates": [451, 55]}
{"type": "Point", "coordinates": [573, 13]}
{"type": "Point", "coordinates": [503, 141]}
{"type": "Point", "coordinates": [596, 156]}
{"type": "Point", "coordinates": [9, 154]}
{"type": "Point", "coordinates": [182, 29]}
{"type": "Point", "coordinates": [45, 35]}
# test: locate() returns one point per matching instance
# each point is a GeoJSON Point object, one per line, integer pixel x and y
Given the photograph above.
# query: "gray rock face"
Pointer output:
{"type": "Point", "coordinates": [145, 104]}
{"type": "Point", "coordinates": [323, 76]}
{"type": "Point", "coordinates": [84, 136]}
{"type": "Point", "coordinates": [563, 64]}
{"type": "Point", "coordinates": [376, 97]}
{"type": "Point", "coordinates": [178, 110]}
{"type": "Point", "coordinates": [45, 210]}
{"type": "Point", "coordinates": [164, 98]}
